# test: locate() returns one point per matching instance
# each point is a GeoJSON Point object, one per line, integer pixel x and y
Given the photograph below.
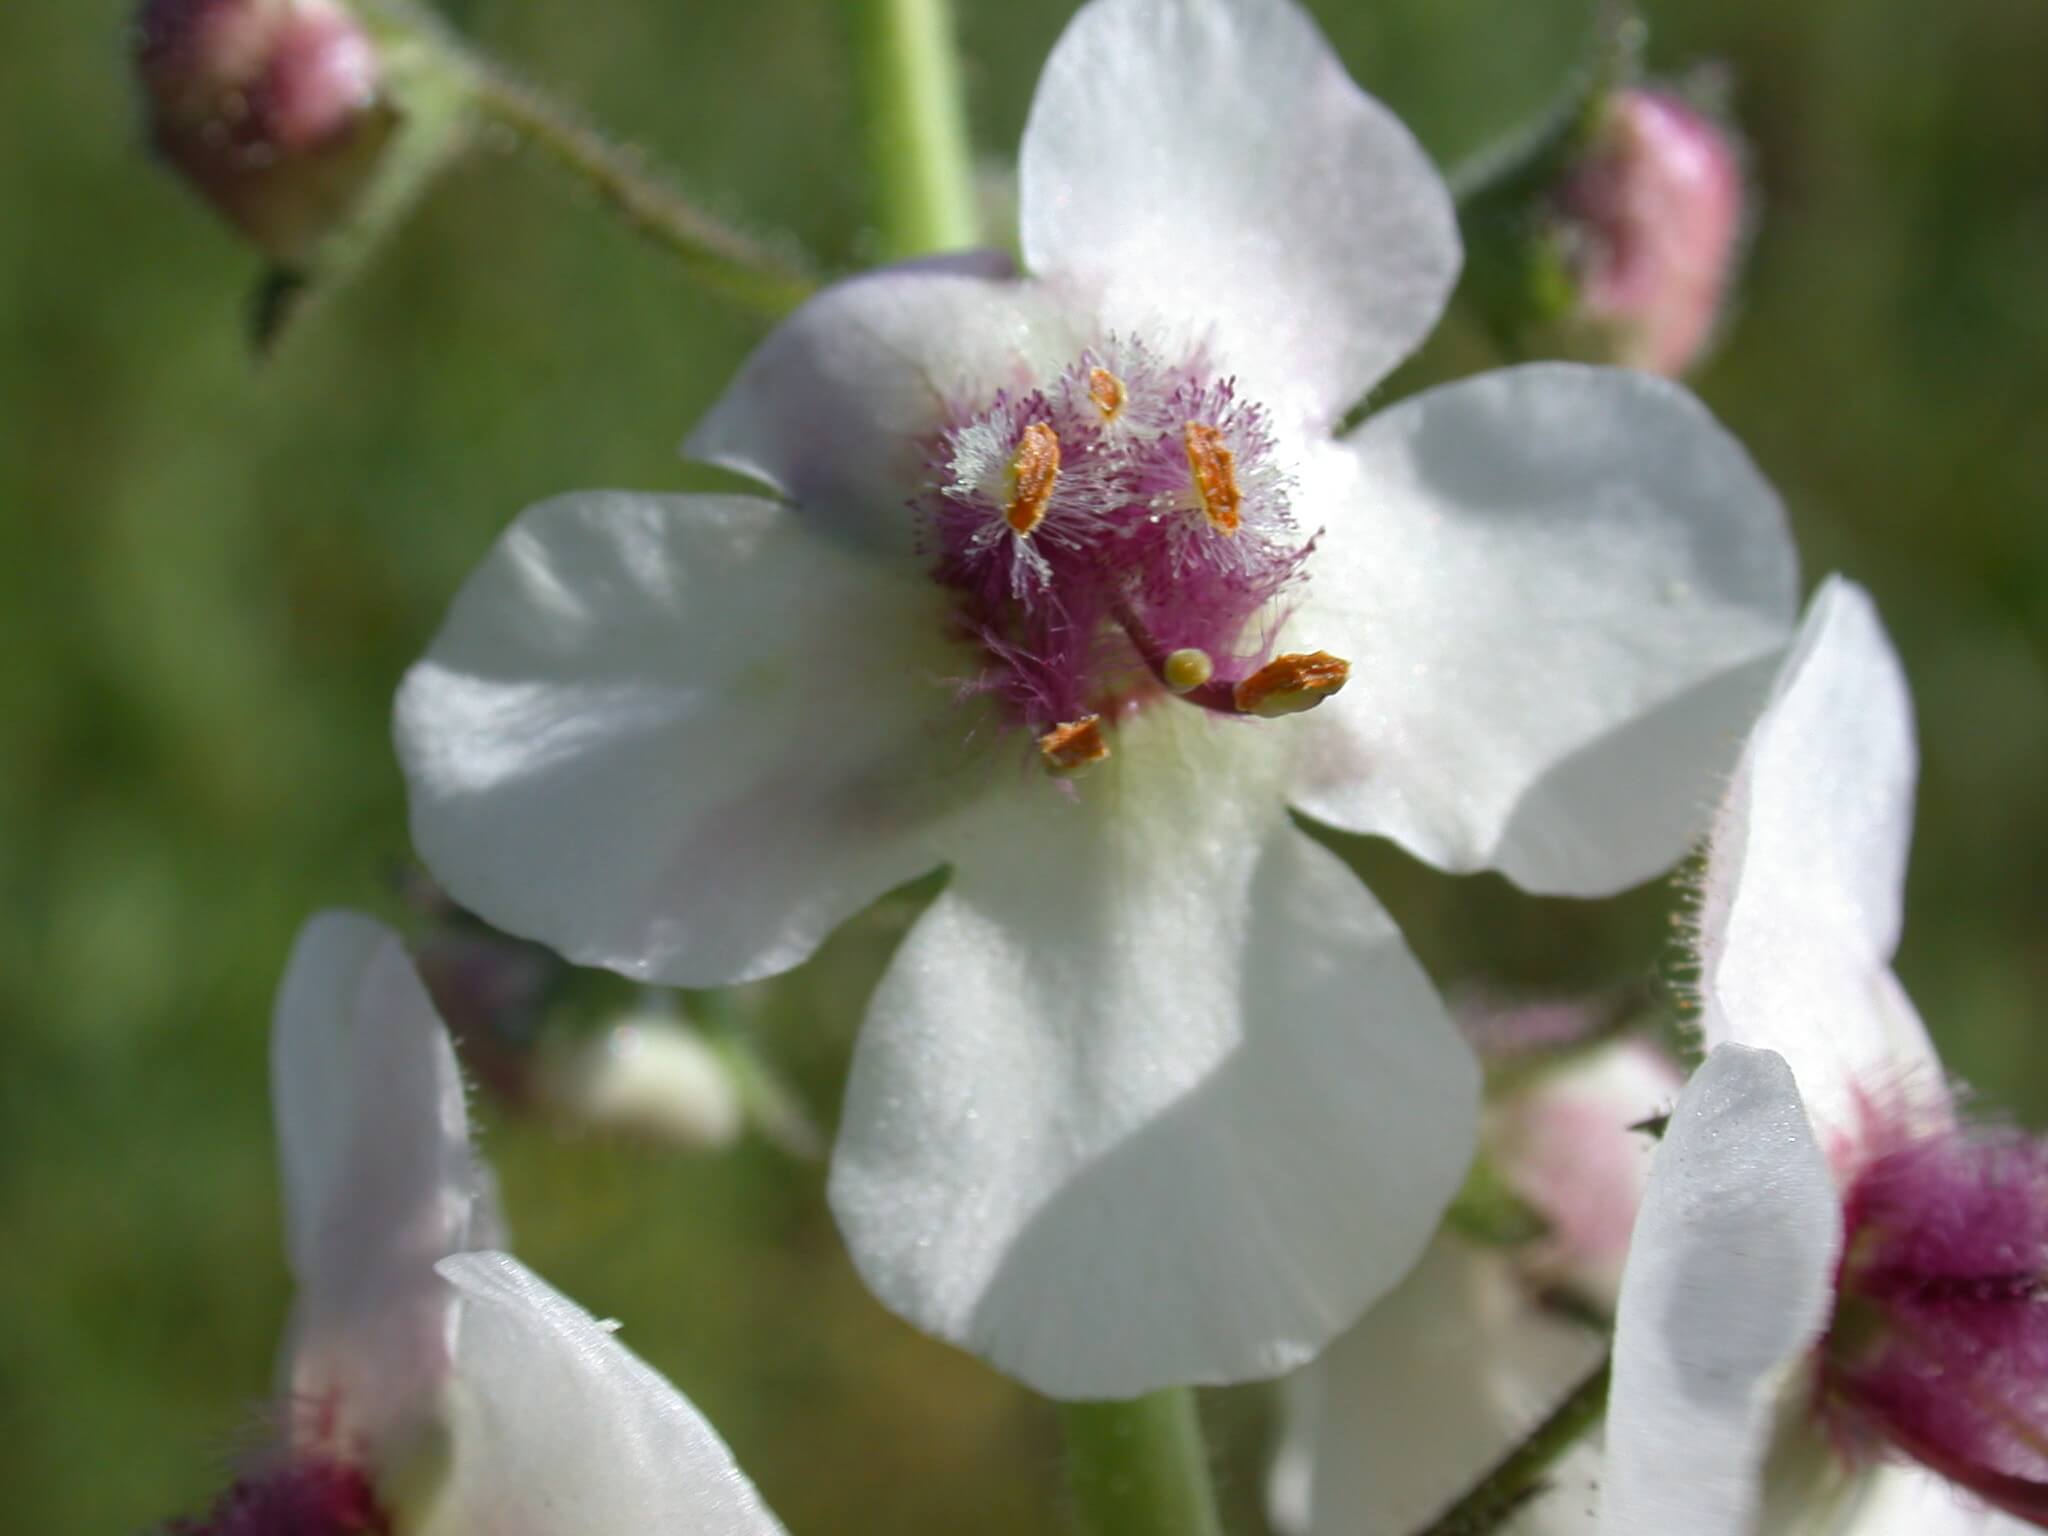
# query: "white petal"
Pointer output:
{"type": "Point", "coordinates": [1561, 590]}
{"type": "Point", "coordinates": [1208, 166]}
{"type": "Point", "coordinates": [1434, 1388]}
{"type": "Point", "coordinates": [379, 1177]}
{"type": "Point", "coordinates": [1910, 1501]}
{"type": "Point", "coordinates": [560, 1429]}
{"type": "Point", "coordinates": [1801, 904]}
{"type": "Point", "coordinates": [683, 737]}
{"type": "Point", "coordinates": [1727, 1285]}
{"type": "Point", "coordinates": [1154, 1092]}
{"type": "Point", "coordinates": [837, 408]}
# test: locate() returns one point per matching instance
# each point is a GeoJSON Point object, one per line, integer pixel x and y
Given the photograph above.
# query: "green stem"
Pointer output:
{"type": "Point", "coordinates": [715, 254]}
{"type": "Point", "coordinates": [1139, 1468]}
{"type": "Point", "coordinates": [917, 127]}
{"type": "Point", "coordinates": [1519, 1478]}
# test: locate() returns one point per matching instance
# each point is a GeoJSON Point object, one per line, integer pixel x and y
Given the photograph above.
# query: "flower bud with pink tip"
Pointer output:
{"type": "Point", "coordinates": [272, 109]}
{"type": "Point", "coordinates": [1651, 221]}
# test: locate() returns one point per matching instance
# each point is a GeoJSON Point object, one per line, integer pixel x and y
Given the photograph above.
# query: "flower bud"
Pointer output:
{"type": "Point", "coordinates": [653, 1078]}
{"type": "Point", "coordinates": [272, 109]}
{"type": "Point", "coordinates": [1649, 222]}
{"type": "Point", "coordinates": [1567, 1145]}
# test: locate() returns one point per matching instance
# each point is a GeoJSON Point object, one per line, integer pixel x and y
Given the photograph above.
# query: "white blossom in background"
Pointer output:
{"type": "Point", "coordinates": [1834, 1316]}
{"type": "Point", "coordinates": [1070, 582]}
{"type": "Point", "coordinates": [430, 1386]}
{"type": "Point", "coordinates": [1440, 1381]}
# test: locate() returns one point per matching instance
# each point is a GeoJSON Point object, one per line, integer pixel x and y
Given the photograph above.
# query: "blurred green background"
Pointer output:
{"type": "Point", "coordinates": [212, 574]}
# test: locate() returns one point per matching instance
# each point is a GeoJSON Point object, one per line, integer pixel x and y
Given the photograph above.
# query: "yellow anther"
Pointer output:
{"type": "Point", "coordinates": [1214, 467]}
{"type": "Point", "coordinates": [1107, 391]}
{"type": "Point", "coordinates": [1187, 669]}
{"type": "Point", "coordinates": [1289, 684]}
{"type": "Point", "coordinates": [1034, 471]}
{"type": "Point", "coordinates": [1070, 747]}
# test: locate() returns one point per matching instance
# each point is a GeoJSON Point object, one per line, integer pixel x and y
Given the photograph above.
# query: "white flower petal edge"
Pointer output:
{"type": "Point", "coordinates": [834, 408]}
{"type": "Point", "coordinates": [559, 1427]}
{"type": "Point", "coordinates": [379, 1179]}
{"type": "Point", "coordinates": [1154, 1090]}
{"type": "Point", "coordinates": [1441, 1380]}
{"type": "Point", "coordinates": [682, 737]}
{"type": "Point", "coordinates": [1563, 590]}
{"type": "Point", "coordinates": [1910, 1501]}
{"type": "Point", "coordinates": [1212, 159]}
{"type": "Point", "coordinates": [1728, 1282]}
{"type": "Point", "coordinates": [1800, 913]}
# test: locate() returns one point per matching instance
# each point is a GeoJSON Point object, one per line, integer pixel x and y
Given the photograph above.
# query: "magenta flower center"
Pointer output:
{"type": "Point", "coordinates": [1939, 1345]}
{"type": "Point", "coordinates": [304, 1497]}
{"type": "Point", "coordinates": [1123, 533]}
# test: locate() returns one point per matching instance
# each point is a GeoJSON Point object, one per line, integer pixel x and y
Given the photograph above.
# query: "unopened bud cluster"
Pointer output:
{"type": "Point", "coordinates": [272, 109]}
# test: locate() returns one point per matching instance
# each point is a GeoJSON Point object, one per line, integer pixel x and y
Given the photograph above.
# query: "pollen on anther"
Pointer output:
{"type": "Point", "coordinates": [1073, 745]}
{"type": "Point", "coordinates": [1289, 684]}
{"type": "Point", "coordinates": [1214, 468]}
{"type": "Point", "coordinates": [1034, 471]}
{"type": "Point", "coordinates": [1107, 391]}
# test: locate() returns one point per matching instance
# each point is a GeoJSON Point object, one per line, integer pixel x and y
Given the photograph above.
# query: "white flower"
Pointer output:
{"type": "Point", "coordinates": [1439, 1382]}
{"type": "Point", "coordinates": [432, 1387]}
{"type": "Point", "coordinates": [1822, 1090]}
{"type": "Point", "coordinates": [1153, 1092]}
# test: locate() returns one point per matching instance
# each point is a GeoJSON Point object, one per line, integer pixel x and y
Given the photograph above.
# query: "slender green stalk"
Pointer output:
{"type": "Point", "coordinates": [1519, 1477]}
{"type": "Point", "coordinates": [917, 127]}
{"type": "Point", "coordinates": [1139, 1468]}
{"type": "Point", "coordinates": [716, 255]}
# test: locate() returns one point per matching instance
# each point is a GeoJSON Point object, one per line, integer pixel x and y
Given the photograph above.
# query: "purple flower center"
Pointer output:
{"type": "Point", "coordinates": [1939, 1345]}
{"type": "Point", "coordinates": [304, 1497]}
{"type": "Point", "coordinates": [1120, 534]}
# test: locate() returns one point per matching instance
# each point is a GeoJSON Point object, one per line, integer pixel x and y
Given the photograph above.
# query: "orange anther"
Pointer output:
{"type": "Point", "coordinates": [1214, 467]}
{"type": "Point", "coordinates": [1107, 391]}
{"type": "Point", "coordinates": [1034, 471]}
{"type": "Point", "coordinates": [1074, 745]}
{"type": "Point", "coordinates": [1289, 684]}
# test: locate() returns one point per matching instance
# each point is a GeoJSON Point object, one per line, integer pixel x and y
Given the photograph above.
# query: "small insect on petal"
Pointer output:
{"type": "Point", "coordinates": [1074, 745]}
{"type": "Point", "coordinates": [1214, 467]}
{"type": "Point", "coordinates": [1107, 391]}
{"type": "Point", "coordinates": [1034, 471]}
{"type": "Point", "coordinates": [1187, 669]}
{"type": "Point", "coordinates": [1289, 684]}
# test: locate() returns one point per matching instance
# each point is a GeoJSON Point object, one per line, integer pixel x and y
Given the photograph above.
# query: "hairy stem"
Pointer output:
{"type": "Point", "coordinates": [1519, 1478]}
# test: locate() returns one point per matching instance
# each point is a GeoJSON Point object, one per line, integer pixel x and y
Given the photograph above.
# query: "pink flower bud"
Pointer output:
{"type": "Point", "coordinates": [270, 108]}
{"type": "Point", "coordinates": [1652, 222]}
{"type": "Point", "coordinates": [1567, 1144]}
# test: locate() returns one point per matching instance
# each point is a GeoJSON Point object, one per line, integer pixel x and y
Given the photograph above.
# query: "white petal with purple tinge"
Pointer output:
{"type": "Point", "coordinates": [1154, 1092]}
{"type": "Point", "coordinates": [1206, 168]}
{"type": "Point", "coordinates": [1562, 590]}
{"type": "Point", "coordinates": [682, 737]}
{"type": "Point", "coordinates": [379, 1179]}
{"type": "Point", "coordinates": [836, 408]}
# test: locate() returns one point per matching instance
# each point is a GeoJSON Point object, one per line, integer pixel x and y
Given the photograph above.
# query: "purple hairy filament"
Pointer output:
{"type": "Point", "coordinates": [1939, 1345]}
{"type": "Point", "coordinates": [1126, 519]}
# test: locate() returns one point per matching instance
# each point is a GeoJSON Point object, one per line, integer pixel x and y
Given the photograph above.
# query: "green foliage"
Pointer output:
{"type": "Point", "coordinates": [212, 573]}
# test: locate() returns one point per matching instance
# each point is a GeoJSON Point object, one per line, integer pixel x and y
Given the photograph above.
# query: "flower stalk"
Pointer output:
{"type": "Point", "coordinates": [1139, 1467]}
{"type": "Point", "coordinates": [916, 126]}
{"type": "Point", "coordinates": [715, 254]}
{"type": "Point", "coordinates": [1519, 1476]}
